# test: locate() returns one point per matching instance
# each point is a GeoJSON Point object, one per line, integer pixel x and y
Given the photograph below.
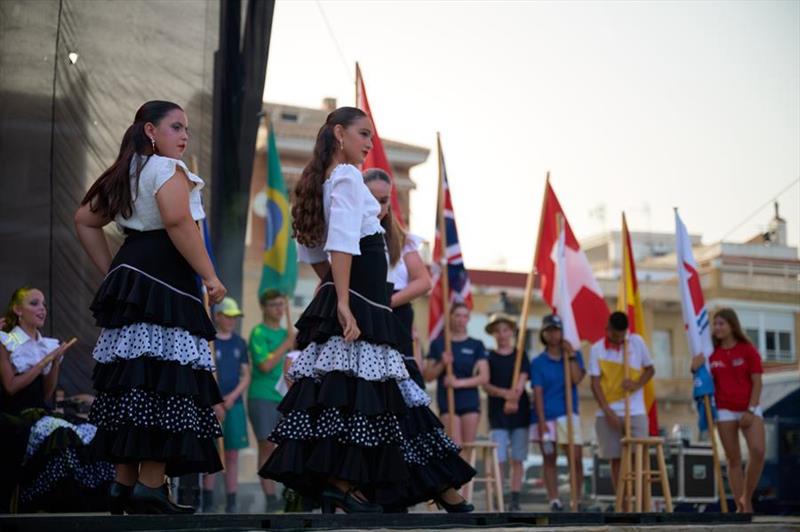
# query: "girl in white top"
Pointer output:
{"type": "Point", "coordinates": [158, 403]}
{"type": "Point", "coordinates": [410, 279]}
{"type": "Point", "coordinates": [339, 439]}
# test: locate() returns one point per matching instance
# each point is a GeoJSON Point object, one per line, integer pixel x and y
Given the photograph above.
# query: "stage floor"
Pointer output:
{"type": "Point", "coordinates": [412, 521]}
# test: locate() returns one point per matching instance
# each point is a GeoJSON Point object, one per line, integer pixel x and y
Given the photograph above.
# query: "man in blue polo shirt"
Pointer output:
{"type": "Point", "coordinates": [549, 417]}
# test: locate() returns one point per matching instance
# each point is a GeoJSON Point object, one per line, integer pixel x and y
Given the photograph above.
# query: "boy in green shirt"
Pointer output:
{"type": "Point", "coordinates": [269, 342]}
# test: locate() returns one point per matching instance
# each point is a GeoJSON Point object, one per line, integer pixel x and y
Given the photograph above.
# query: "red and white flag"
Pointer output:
{"type": "Point", "coordinates": [695, 315]}
{"type": "Point", "coordinates": [561, 297]}
{"type": "Point", "coordinates": [376, 158]}
{"type": "Point", "coordinates": [588, 307]}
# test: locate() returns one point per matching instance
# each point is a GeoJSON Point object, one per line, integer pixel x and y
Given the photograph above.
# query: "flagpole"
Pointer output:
{"type": "Point", "coordinates": [358, 77]}
{"type": "Point", "coordinates": [448, 342]}
{"type": "Point", "coordinates": [723, 501]}
{"type": "Point", "coordinates": [522, 328]}
{"type": "Point", "coordinates": [573, 492]}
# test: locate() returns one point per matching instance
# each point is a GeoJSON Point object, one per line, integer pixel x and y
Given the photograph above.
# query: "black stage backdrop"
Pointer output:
{"type": "Point", "coordinates": [72, 74]}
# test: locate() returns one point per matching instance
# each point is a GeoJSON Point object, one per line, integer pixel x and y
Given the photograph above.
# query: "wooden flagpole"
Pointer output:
{"type": "Point", "coordinates": [568, 396]}
{"type": "Point", "coordinates": [511, 407]}
{"type": "Point", "coordinates": [723, 500]}
{"type": "Point", "coordinates": [448, 342]}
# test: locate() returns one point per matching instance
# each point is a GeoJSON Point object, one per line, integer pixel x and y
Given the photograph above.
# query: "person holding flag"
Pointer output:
{"type": "Point", "coordinates": [736, 368]}
{"type": "Point", "coordinates": [549, 415]}
{"type": "Point", "coordinates": [470, 371]}
{"type": "Point", "coordinates": [609, 387]}
{"type": "Point", "coordinates": [698, 335]}
{"type": "Point", "coordinates": [439, 472]}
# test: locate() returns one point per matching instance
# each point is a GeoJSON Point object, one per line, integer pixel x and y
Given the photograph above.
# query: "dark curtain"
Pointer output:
{"type": "Point", "coordinates": [72, 74]}
{"type": "Point", "coordinates": [240, 68]}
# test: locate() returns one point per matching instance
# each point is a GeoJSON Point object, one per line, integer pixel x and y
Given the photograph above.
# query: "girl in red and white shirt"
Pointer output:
{"type": "Point", "coordinates": [736, 368]}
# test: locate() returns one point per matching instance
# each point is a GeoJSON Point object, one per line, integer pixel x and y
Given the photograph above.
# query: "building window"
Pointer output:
{"type": "Point", "coordinates": [752, 335]}
{"type": "Point", "coordinates": [289, 117]}
{"type": "Point", "coordinates": [778, 346]}
{"type": "Point", "coordinates": [662, 353]}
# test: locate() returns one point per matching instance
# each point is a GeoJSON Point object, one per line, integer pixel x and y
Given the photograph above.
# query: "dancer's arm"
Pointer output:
{"type": "Point", "coordinates": [89, 226]}
{"type": "Point", "coordinates": [173, 205]}
{"type": "Point", "coordinates": [14, 383]}
{"type": "Point", "coordinates": [340, 267]}
{"type": "Point", "coordinates": [419, 280]}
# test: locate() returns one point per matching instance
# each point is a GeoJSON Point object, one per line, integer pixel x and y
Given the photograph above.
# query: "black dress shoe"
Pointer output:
{"type": "Point", "coordinates": [118, 495]}
{"type": "Point", "coordinates": [146, 500]}
{"type": "Point", "coordinates": [333, 498]}
{"type": "Point", "coordinates": [462, 507]}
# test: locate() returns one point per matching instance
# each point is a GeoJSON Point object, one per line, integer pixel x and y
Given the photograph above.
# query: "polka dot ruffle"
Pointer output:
{"type": "Point", "coordinates": [46, 425]}
{"type": "Point", "coordinates": [66, 464]}
{"type": "Point", "coordinates": [359, 359]}
{"type": "Point", "coordinates": [155, 341]}
{"type": "Point", "coordinates": [356, 429]}
{"type": "Point", "coordinates": [146, 409]}
{"type": "Point", "coordinates": [427, 446]}
{"type": "Point", "coordinates": [413, 395]}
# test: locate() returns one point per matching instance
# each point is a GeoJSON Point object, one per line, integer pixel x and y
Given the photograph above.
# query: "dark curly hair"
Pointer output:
{"type": "Point", "coordinates": [308, 217]}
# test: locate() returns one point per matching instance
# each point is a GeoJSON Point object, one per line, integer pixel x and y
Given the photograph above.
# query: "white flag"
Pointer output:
{"type": "Point", "coordinates": [695, 315]}
{"type": "Point", "coordinates": [561, 295]}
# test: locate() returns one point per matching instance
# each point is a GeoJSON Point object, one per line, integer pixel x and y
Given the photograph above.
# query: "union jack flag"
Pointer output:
{"type": "Point", "coordinates": [459, 286]}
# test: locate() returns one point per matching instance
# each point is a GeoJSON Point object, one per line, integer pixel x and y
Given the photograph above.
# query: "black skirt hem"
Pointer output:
{"type": "Point", "coordinates": [161, 376]}
{"type": "Point", "coordinates": [183, 453]}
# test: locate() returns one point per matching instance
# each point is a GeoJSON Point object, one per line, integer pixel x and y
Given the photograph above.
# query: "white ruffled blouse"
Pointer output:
{"type": "Point", "coordinates": [25, 351]}
{"type": "Point", "coordinates": [351, 212]}
{"type": "Point", "coordinates": [157, 171]}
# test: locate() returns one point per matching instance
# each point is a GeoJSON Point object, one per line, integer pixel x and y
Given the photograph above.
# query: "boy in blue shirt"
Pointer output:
{"type": "Point", "coordinates": [233, 376]}
{"type": "Point", "coordinates": [549, 416]}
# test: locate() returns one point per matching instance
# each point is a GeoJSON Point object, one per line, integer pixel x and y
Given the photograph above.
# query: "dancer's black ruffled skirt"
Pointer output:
{"type": "Point", "coordinates": [153, 377]}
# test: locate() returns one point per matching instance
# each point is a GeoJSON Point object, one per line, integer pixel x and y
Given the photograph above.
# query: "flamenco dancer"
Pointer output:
{"type": "Point", "coordinates": [157, 403]}
{"type": "Point", "coordinates": [340, 439]}
{"type": "Point", "coordinates": [435, 467]}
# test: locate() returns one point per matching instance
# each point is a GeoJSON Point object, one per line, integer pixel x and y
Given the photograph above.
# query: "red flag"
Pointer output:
{"type": "Point", "coordinates": [376, 158]}
{"type": "Point", "coordinates": [588, 306]}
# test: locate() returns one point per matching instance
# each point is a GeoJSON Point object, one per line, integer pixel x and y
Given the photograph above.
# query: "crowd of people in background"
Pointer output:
{"type": "Point", "coordinates": [337, 402]}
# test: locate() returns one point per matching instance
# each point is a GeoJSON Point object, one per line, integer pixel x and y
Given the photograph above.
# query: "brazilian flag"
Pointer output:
{"type": "Point", "coordinates": [280, 253]}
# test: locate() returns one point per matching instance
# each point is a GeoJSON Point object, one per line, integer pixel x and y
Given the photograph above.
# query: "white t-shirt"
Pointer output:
{"type": "Point", "coordinates": [399, 273]}
{"type": "Point", "coordinates": [606, 362]}
{"type": "Point", "coordinates": [351, 212]}
{"type": "Point", "coordinates": [156, 171]}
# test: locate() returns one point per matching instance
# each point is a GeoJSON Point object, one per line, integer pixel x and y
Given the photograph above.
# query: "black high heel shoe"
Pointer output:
{"type": "Point", "coordinates": [333, 498]}
{"type": "Point", "coordinates": [146, 500]}
{"type": "Point", "coordinates": [462, 507]}
{"type": "Point", "coordinates": [118, 495]}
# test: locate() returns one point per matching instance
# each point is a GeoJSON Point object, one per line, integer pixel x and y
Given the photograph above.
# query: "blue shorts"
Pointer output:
{"type": "Point", "coordinates": [516, 439]}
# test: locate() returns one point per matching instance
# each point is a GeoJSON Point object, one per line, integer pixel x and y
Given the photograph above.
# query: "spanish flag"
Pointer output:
{"type": "Point", "coordinates": [280, 252]}
{"type": "Point", "coordinates": [630, 302]}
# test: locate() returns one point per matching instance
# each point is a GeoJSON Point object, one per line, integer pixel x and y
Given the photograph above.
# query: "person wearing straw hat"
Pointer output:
{"type": "Point", "coordinates": [508, 425]}
{"type": "Point", "coordinates": [549, 418]}
{"type": "Point", "coordinates": [233, 376]}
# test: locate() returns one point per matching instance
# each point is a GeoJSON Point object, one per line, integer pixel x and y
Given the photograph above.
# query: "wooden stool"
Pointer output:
{"type": "Point", "coordinates": [494, 487]}
{"type": "Point", "coordinates": [637, 480]}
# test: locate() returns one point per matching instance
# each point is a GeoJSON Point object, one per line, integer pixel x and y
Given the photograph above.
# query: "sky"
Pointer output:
{"type": "Point", "coordinates": [634, 106]}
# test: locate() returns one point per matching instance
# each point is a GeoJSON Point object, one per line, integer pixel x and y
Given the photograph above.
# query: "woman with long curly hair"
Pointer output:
{"type": "Point", "coordinates": [340, 440]}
